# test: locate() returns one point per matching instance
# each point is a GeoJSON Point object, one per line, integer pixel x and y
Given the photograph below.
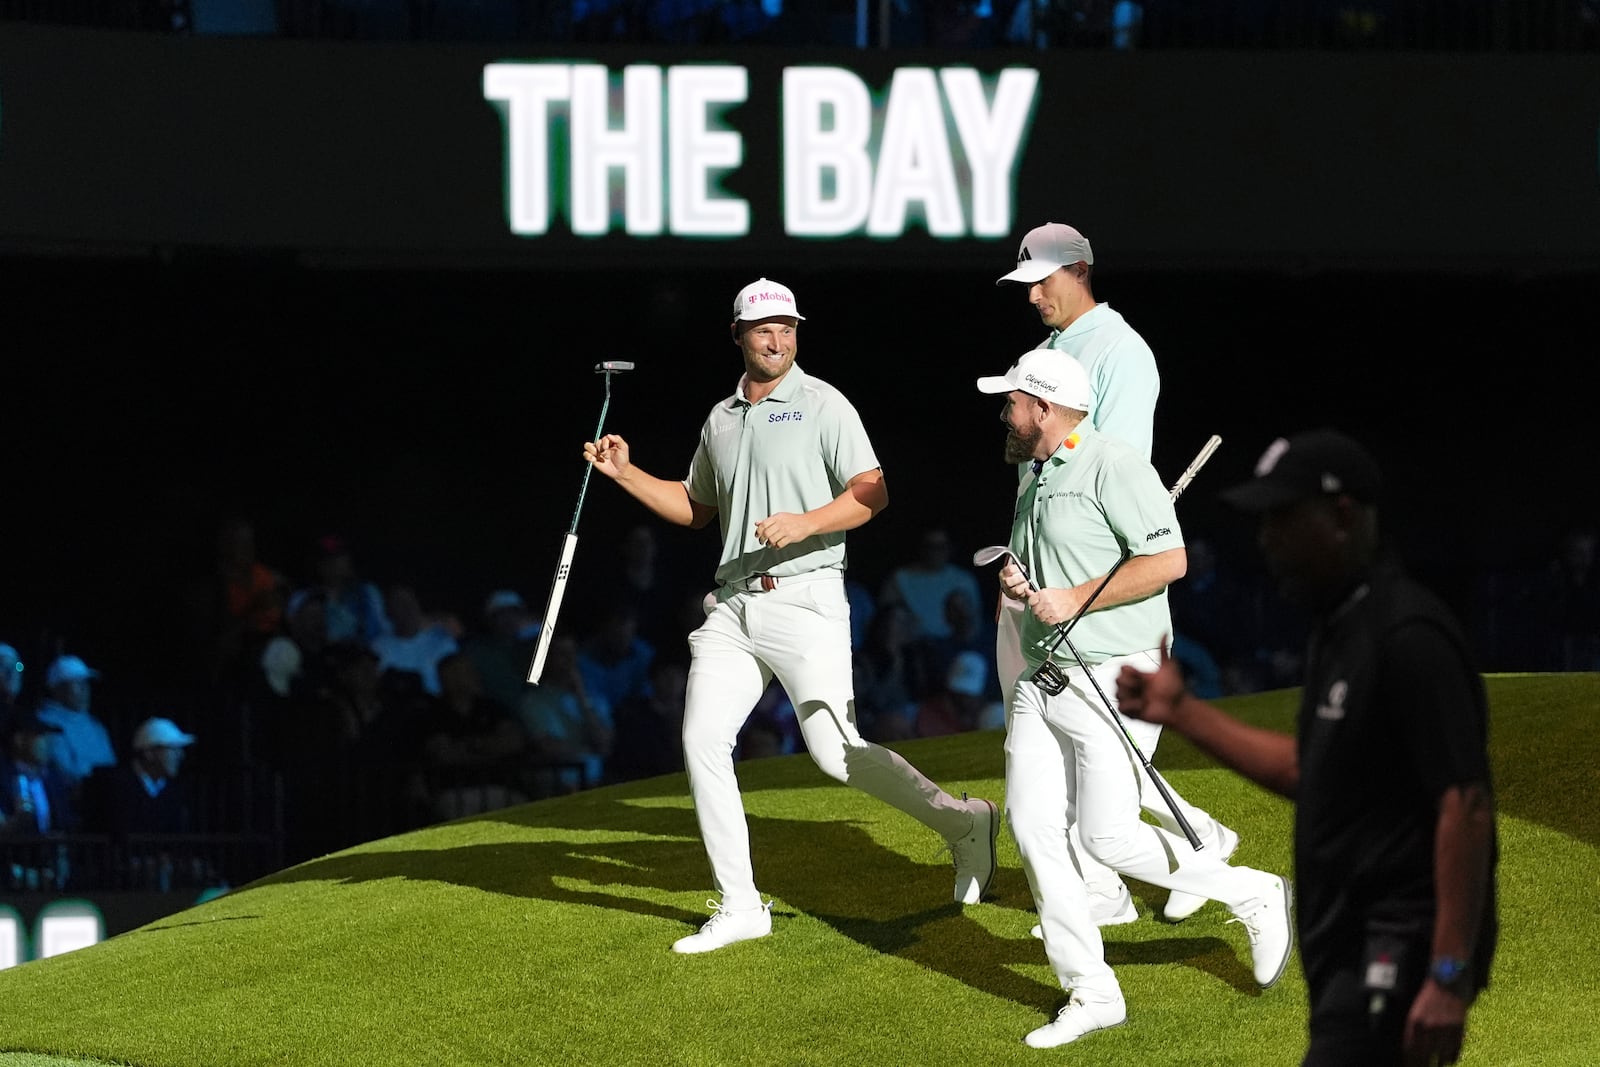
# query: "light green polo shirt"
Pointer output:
{"type": "Point", "coordinates": [1093, 496]}
{"type": "Point", "coordinates": [793, 452]}
{"type": "Point", "coordinates": [1122, 374]}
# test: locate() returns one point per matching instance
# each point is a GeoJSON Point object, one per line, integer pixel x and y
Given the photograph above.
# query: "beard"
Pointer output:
{"type": "Point", "coordinates": [1020, 446]}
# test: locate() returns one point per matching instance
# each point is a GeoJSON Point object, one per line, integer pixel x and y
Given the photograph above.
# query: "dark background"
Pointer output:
{"type": "Point", "coordinates": [436, 418]}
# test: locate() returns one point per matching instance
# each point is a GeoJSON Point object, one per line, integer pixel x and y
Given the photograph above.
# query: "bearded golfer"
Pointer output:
{"type": "Point", "coordinates": [785, 467]}
{"type": "Point", "coordinates": [1096, 521]}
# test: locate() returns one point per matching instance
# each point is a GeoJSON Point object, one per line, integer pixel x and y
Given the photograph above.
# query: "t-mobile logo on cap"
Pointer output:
{"type": "Point", "coordinates": [783, 298]}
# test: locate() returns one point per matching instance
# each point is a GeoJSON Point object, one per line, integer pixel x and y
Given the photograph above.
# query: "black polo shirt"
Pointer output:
{"type": "Point", "coordinates": [1393, 712]}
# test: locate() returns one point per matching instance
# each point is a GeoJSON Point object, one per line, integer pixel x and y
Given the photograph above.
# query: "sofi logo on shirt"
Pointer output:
{"type": "Point", "coordinates": [937, 150]}
{"type": "Point", "coordinates": [786, 416]}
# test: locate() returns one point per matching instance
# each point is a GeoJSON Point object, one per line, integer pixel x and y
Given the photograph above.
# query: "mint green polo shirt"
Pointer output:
{"type": "Point", "coordinates": [1122, 374]}
{"type": "Point", "coordinates": [1094, 495]}
{"type": "Point", "coordinates": [793, 452]}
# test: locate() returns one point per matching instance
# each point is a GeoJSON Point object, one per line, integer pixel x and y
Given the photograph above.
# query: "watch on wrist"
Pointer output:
{"type": "Point", "coordinates": [1450, 973]}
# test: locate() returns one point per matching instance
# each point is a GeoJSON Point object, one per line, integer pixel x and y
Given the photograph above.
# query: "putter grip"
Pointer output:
{"type": "Point", "coordinates": [547, 629]}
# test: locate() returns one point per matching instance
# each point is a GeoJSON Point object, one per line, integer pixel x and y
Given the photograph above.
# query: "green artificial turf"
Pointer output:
{"type": "Point", "coordinates": [540, 934]}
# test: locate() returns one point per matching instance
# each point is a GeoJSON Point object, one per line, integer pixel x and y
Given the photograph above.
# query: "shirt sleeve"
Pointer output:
{"type": "Point", "coordinates": [846, 448]}
{"type": "Point", "coordinates": [1139, 509]}
{"type": "Point", "coordinates": [701, 481]}
{"type": "Point", "coordinates": [1444, 720]}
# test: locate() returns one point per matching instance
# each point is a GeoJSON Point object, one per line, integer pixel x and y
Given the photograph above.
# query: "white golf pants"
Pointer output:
{"type": "Point", "coordinates": [1072, 740]}
{"type": "Point", "coordinates": [800, 633]}
{"type": "Point", "coordinates": [1100, 878]}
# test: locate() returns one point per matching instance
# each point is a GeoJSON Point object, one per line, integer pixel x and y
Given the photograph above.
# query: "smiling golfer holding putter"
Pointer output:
{"type": "Point", "coordinates": [786, 468]}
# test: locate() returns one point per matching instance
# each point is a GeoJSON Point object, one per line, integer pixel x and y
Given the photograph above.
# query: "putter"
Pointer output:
{"type": "Point", "coordinates": [569, 544]}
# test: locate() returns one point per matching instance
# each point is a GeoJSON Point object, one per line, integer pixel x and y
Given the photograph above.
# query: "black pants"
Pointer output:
{"type": "Point", "coordinates": [1355, 1023]}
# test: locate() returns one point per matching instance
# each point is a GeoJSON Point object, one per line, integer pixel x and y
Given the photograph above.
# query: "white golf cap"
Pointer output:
{"type": "Point", "coordinates": [1045, 250]}
{"type": "Point", "coordinates": [762, 299]}
{"type": "Point", "coordinates": [1048, 375]}
{"type": "Point", "coordinates": [153, 733]}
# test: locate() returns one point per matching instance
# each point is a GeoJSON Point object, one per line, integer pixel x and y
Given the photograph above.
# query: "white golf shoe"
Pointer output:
{"type": "Point", "coordinates": [1076, 1020]}
{"type": "Point", "coordinates": [1181, 905]}
{"type": "Point", "coordinates": [727, 926]}
{"type": "Point", "coordinates": [974, 856]}
{"type": "Point", "coordinates": [1111, 906]}
{"type": "Point", "coordinates": [1268, 919]}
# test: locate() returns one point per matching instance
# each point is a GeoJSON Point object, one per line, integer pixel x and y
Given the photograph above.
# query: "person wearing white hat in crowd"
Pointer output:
{"type": "Point", "coordinates": [1055, 265]}
{"type": "Point", "coordinates": [785, 466]}
{"type": "Point", "coordinates": [143, 794]}
{"type": "Point", "coordinates": [84, 743]}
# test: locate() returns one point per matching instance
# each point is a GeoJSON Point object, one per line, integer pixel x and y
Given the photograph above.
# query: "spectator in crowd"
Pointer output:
{"type": "Point", "coordinates": [863, 606]}
{"type": "Point", "coordinates": [288, 675]}
{"type": "Point", "coordinates": [11, 679]}
{"type": "Point", "coordinates": [963, 703]}
{"type": "Point", "coordinates": [82, 742]}
{"type": "Point", "coordinates": [563, 722]}
{"type": "Point", "coordinates": [353, 605]}
{"type": "Point", "coordinates": [469, 746]}
{"type": "Point", "coordinates": [923, 584]}
{"type": "Point", "coordinates": [889, 676]}
{"type": "Point", "coordinates": [615, 660]}
{"type": "Point", "coordinates": [1216, 624]}
{"type": "Point", "coordinates": [143, 794]}
{"type": "Point", "coordinates": [418, 641]}
{"type": "Point", "coordinates": [35, 797]}
{"type": "Point", "coordinates": [649, 727]}
{"type": "Point", "coordinates": [968, 630]}
{"type": "Point", "coordinates": [503, 648]}
{"type": "Point", "coordinates": [241, 607]}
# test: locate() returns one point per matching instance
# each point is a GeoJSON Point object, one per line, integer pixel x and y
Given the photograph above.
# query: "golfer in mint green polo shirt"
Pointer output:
{"type": "Point", "coordinates": [786, 468]}
{"type": "Point", "coordinates": [1098, 542]}
{"type": "Point", "coordinates": [1055, 267]}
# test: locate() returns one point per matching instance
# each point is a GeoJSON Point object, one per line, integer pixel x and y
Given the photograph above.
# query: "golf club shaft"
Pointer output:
{"type": "Point", "coordinates": [1111, 709]}
{"type": "Point", "coordinates": [569, 544]}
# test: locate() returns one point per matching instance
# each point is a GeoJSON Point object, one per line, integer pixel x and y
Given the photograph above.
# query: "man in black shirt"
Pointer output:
{"type": "Point", "coordinates": [1394, 837]}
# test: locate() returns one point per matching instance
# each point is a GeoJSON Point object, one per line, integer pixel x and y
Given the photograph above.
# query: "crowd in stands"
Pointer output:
{"type": "Point", "coordinates": [371, 713]}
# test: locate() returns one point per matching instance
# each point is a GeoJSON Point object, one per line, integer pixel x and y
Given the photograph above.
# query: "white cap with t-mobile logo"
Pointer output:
{"type": "Point", "coordinates": [762, 299]}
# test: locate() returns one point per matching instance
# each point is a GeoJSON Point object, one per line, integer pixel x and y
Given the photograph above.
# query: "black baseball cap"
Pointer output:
{"type": "Point", "coordinates": [1310, 464]}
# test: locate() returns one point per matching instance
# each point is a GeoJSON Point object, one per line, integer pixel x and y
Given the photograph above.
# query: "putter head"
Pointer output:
{"type": "Point", "coordinates": [1050, 678]}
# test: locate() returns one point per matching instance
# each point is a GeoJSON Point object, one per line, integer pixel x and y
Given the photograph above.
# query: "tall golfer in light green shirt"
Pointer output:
{"type": "Point", "coordinates": [1054, 267]}
{"type": "Point", "coordinates": [786, 468]}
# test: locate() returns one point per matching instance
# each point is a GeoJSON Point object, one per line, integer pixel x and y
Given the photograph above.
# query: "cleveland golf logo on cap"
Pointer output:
{"type": "Point", "coordinates": [1034, 384]}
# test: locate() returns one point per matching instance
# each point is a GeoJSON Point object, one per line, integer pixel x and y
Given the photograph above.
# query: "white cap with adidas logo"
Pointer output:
{"type": "Point", "coordinates": [1045, 250]}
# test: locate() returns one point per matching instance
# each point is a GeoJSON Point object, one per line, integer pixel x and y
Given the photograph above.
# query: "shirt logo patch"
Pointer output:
{"type": "Point", "coordinates": [1163, 532]}
{"type": "Point", "coordinates": [1332, 708]}
{"type": "Point", "coordinates": [786, 416]}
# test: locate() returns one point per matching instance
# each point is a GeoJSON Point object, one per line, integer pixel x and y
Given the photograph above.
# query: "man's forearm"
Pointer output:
{"type": "Point", "coordinates": [1266, 757]}
{"type": "Point", "coordinates": [1462, 849]}
{"type": "Point", "coordinates": [668, 499]}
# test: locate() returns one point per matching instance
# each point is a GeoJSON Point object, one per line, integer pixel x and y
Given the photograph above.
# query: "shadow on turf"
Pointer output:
{"type": "Point", "coordinates": [816, 868]}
